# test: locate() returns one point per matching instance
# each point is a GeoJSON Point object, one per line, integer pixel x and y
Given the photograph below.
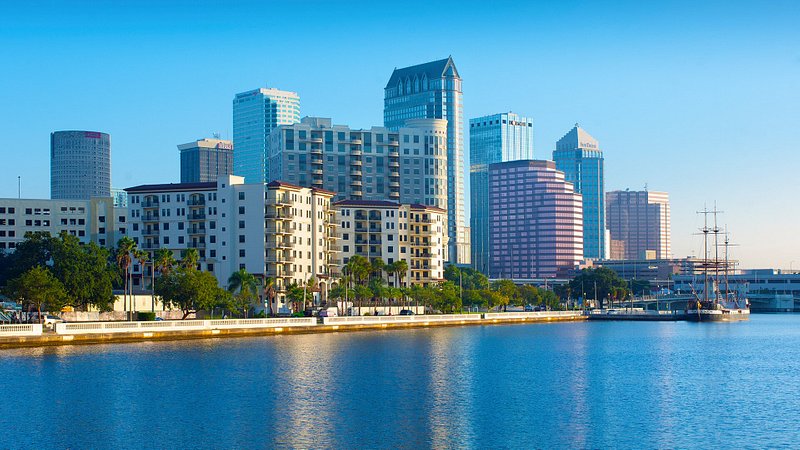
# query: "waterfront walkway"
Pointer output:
{"type": "Point", "coordinates": [69, 333]}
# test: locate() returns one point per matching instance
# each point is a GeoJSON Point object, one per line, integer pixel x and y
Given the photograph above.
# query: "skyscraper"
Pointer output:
{"type": "Point", "coordinates": [638, 224]}
{"type": "Point", "coordinates": [80, 165]}
{"type": "Point", "coordinates": [433, 90]}
{"type": "Point", "coordinates": [492, 139]}
{"type": "Point", "coordinates": [408, 165]}
{"type": "Point", "coordinates": [255, 114]}
{"type": "Point", "coordinates": [578, 155]}
{"type": "Point", "coordinates": [536, 225]}
{"type": "Point", "coordinates": [205, 160]}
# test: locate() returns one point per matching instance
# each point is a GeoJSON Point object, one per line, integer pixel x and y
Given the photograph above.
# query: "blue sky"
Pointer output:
{"type": "Point", "coordinates": [700, 99]}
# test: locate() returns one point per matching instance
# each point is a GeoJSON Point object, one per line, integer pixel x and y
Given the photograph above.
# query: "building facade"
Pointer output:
{"type": "Point", "coordinates": [408, 165]}
{"type": "Point", "coordinates": [95, 220]}
{"type": "Point", "coordinates": [638, 224]}
{"type": "Point", "coordinates": [255, 114]}
{"type": "Point", "coordinates": [416, 234]}
{"type": "Point", "coordinates": [492, 139]}
{"type": "Point", "coordinates": [536, 221]}
{"type": "Point", "coordinates": [279, 230]}
{"type": "Point", "coordinates": [205, 160]}
{"type": "Point", "coordinates": [80, 165]}
{"type": "Point", "coordinates": [433, 90]}
{"type": "Point", "coordinates": [578, 155]}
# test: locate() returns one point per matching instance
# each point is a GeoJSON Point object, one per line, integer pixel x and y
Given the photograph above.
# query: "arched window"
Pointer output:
{"type": "Point", "coordinates": [400, 87]}
{"type": "Point", "coordinates": [408, 85]}
{"type": "Point", "coordinates": [416, 84]}
{"type": "Point", "coordinates": [424, 82]}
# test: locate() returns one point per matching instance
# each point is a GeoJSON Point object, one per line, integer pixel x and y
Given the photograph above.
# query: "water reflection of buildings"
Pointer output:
{"type": "Point", "coordinates": [451, 382]}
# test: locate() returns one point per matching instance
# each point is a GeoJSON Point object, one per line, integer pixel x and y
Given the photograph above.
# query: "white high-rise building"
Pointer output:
{"type": "Point", "coordinates": [275, 230]}
{"type": "Point", "coordinates": [255, 114]}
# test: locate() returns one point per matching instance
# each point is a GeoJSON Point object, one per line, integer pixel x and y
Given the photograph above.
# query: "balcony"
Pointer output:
{"type": "Point", "coordinates": [374, 216]}
{"type": "Point", "coordinates": [394, 164]}
{"type": "Point", "coordinates": [394, 143]}
{"type": "Point", "coordinates": [357, 193]}
{"type": "Point", "coordinates": [317, 171]}
{"type": "Point", "coordinates": [334, 261]}
{"type": "Point", "coordinates": [316, 150]}
{"type": "Point", "coordinates": [196, 245]}
{"type": "Point", "coordinates": [150, 218]}
{"type": "Point", "coordinates": [148, 246]}
{"type": "Point", "coordinates": [394, 194]}
{"type": "Point", "coordinates": [197, 216]}
{"type": "Point", "coordinates": [282, 200]}
{"type": "Point", "coordinates": [150, 204]}
{"type": "Point", "coordinates": [275, 229]}
{"type": "Point", "coordinates": [355, 152]}
{"type": "Point", "coordinates": [394, 184]}
{"type": "Point", "coordinates": [315, 140]}
{"type": "Point", "coordinates": [196, 230]}
{"type": "Point", "coordinates": [279, 244]}
{"type": "Point", "coordinates": [356, 141]}
{"type": "Point", "coordinates": [355, 162]}
{"type": "Point", "coordinates": [150, 232]}
{"type": "Point", "coordinates": [334, 248]}
{"type": "Point", "coordinates": [356, 183]}
{"type": "Point", "coordinates": [317, 160]}
{"type": "Point", "coordinates": [282, 215]}
{"type": "Point", "coordinates": [355, 172]}
{"type": "Point", "coordinates": [196, 202]}
{"type": "Point", "coordinates": [394, 174]}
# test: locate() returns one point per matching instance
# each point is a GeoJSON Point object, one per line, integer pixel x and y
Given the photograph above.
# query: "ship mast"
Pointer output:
{"type": "Point", "coordinates": [716, 256]}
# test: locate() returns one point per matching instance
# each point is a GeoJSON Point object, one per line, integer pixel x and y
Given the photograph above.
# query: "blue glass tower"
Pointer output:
{"type": "Point", "coordinates": [578, 155]}
{"type": "Point", "coordinates": [492, 139]}
{"type": "Point", "coordinates": [255, 114]}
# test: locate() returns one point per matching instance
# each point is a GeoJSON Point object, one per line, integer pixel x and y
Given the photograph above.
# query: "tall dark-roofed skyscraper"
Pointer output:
{"type": "Point", "coordinates": [206, 160]}
{"type": "Point", "coordinates": [80, 165]}
{"type": "Point", "coordinates": [433, 91]}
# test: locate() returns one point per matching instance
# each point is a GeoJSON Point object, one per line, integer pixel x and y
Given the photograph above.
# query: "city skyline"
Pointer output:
{"type": "Point", "coordinates": [671, 97]}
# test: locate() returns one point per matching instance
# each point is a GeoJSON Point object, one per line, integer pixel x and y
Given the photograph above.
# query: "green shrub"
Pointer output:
{"type": "Point", "coordinates": [145, 316]}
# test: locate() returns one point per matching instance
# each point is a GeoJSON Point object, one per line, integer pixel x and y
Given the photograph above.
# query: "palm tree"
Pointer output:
{"type": "Point", "coordinates": [378, 266]}
{"type": "Point", "coordinates": [164, 261]}
{"type": "Point", "coordinates": [141, 256]}
{"type": "Point", "coordinates": [269, 292]}
{"type": "Point", "coordinates": [400, 269]}
{"type": "Point", "coordinates": [125, 247]}
{"type": "Point", "coordinates": [190, 259]}
{"type": "Point", "coordinates": [246, 285]}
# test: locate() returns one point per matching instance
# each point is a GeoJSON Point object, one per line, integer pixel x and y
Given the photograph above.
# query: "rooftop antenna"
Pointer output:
{"type": "Point", "coordinates": [645, 186]}
{"type": "Point", "coordinates": [19, 186]}
{"type": "Point", "coordinates": [215, 135]}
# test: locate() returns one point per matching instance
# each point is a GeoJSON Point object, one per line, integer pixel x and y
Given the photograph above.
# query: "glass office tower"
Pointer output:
{"type": "Point", "coordinates": [433, 91]}
{"type": "Point", "coordinates": [492, 139]}
{"type": "Point", "coordinates": [578, 155]}
{"type": "Point", "coordinates": [80, 165]}
{"type": "Point", "coordinates": [255, 114]}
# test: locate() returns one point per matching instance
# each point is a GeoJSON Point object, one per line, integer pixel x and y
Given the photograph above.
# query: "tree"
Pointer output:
{"type": "Point", "coordinates": [400, 269]}
{"type": "Point", "coordinates": [141, 256]}
{"type": "Point", "coordinates": [190, 259]}
{"type": "Point", "coordinates": [378, 288]}
{"type": "Point", "coordinates": [361, 293]}
{"type": "Point", "coordinates": [84, 271]}
{"type": "Point", "coordinates": [164, 260]}
{"type": "Point", "coordinates": [530, 295]}
{"type": "Point", "coordinates": [359, 268]}
{"type": "Point", "coordinates": [190, 290]}
{"type": "Point", "coordinates": [474, 297]}
{"type": "Point", "coordinates": [446, 297]}
{"type": "Point", "coordinates": [269, 293]}
{"type": "Point", "coordinates": [125, 247]}
{"type": "Point", "coordinates": [38, 288]}
{"type": "Point", "coordinates": [466, 278]}
{"type": "Point", "coordinates": [244, 287]}
{"type": "Point", "coordinates": [640, 287]}
{"type": "Point", "coordinates": [378, 266]}
{"type": "Point", "coordinates": [297, 295]}
{"type": "Point", "coordinates": [600, 284]}
{"type": "Point", "coordinates": [507, 289]}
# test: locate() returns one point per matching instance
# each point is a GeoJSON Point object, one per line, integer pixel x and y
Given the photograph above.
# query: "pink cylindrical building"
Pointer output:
{"type": "Point", "coordinates": [535, 221]}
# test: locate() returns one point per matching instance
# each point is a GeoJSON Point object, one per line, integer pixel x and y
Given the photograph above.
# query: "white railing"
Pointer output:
{"type": "Point", "coordinates": [423, 318]}
{"type": "Point", "coordinates": [531, 315]}
{"type": "Point", "coordinates": [179, 325]}
{"type": "Point", "coordinates": [21, 329]}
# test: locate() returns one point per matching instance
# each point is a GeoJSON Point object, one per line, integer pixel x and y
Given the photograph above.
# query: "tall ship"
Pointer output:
{"type": "Point", "coordinates": [717, 302]}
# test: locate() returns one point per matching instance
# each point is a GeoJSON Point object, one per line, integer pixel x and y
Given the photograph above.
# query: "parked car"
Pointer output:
{"type": "Point", "coordinates": [406, 312]}
{"type": "Point", "coordinates": [528, 308]}
{"type": "Point", "coordinates": [50, 321]}
{"type": "Point", "coordinates": [328, 312]}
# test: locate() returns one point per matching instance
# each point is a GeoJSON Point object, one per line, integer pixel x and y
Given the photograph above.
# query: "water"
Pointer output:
{"type": "Point", "coordinates": [576, 385]}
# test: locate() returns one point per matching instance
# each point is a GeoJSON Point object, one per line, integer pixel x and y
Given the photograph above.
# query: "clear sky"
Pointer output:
{"type": "Point", "coordinates": [700, 99]}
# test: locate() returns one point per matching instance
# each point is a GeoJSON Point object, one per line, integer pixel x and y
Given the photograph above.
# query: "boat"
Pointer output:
{"type": "Point", "coordinates": [716, 304]}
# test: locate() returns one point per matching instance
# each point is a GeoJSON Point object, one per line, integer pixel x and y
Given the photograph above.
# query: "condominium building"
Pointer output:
{"type": "Point", "coordinates": [408, 165]}
{"type": "Point", "coordinates": [276, 230]}
{"type": "Point", "coordinates": [578, 155]}
{"type": "Point", "coordinates": [95, 220]}
{"type": "Point", "coordinates": [205, 160]}
{"type": "Point", "coordinates": [638, 224]}
{"type": "Point", "coordinates": [536, 221]}
{"type": "Point", "coordinates": [492, 139]}
{"type": "Point", "coordinates": [255, 114]}
{"type": "Point", "coordinates": [392, 232]}
{"type": "Point", "coordinates": [433, 90]}
{"type": "Point", "coordinates": [80, 165]}
{"type": "Point", "coordinates": [120, 198]}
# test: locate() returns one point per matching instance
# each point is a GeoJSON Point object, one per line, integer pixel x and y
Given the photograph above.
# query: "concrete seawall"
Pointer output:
{"type": "Point", "coordinates": [53, 339]}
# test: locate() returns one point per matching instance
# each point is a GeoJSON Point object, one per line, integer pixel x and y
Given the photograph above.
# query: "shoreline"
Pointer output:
{"type": "Point", "coordinates": [53, 339]}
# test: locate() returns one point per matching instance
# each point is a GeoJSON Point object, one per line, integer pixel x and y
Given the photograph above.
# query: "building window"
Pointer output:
{"type": "Point", "coordinates": [241, 195]}
{"type": "Point", "coordinates": [241, 239]}
{"type": "Point", "coordinates": [241, 210]}
{"type": "Point", "coordinates": [241, 253]}
{"type": "Point", "coordinates": [241, 224]}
